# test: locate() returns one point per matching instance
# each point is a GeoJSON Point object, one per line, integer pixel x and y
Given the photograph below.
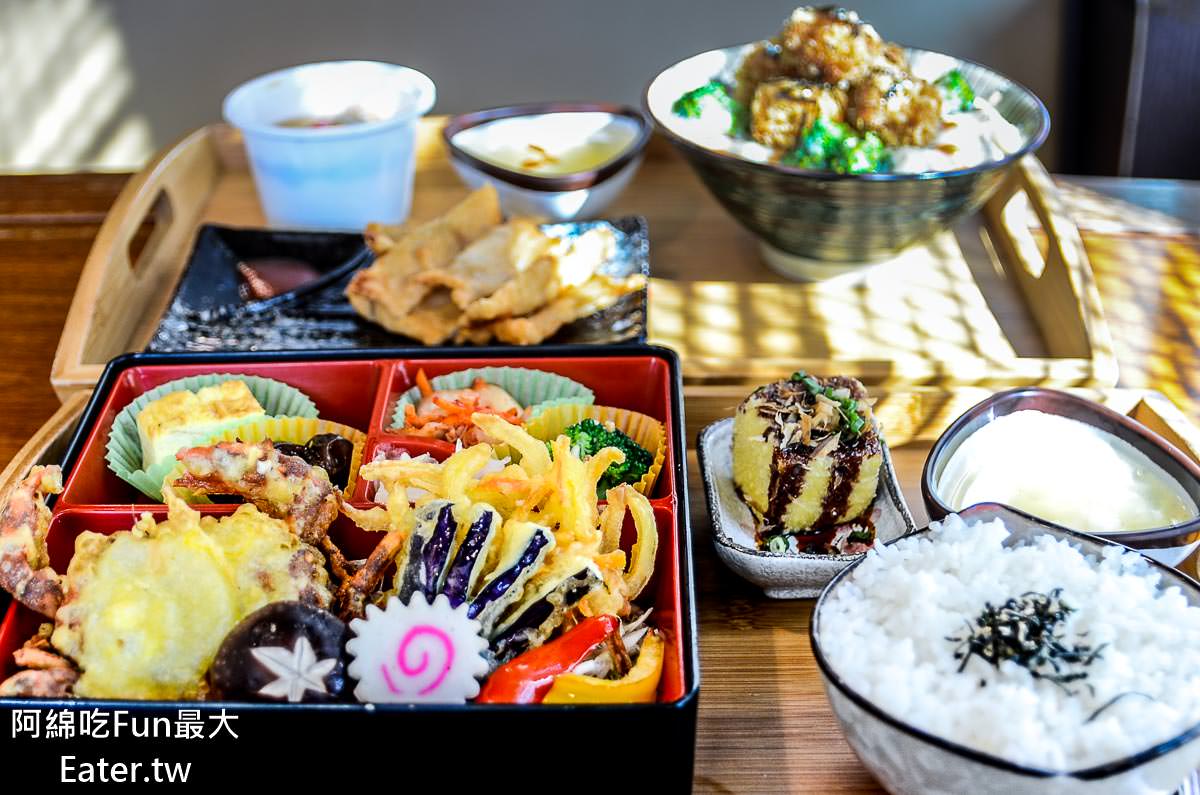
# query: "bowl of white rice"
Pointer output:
{"type": "Point", "coordinates": [995, 653]}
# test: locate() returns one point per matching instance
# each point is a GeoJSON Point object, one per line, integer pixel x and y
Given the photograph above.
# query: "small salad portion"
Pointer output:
{"type": "Point", "coordinates": [829, 94]}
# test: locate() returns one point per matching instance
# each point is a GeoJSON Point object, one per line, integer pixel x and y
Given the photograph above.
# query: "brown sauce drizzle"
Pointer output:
{"type": "Point", "coordinates": [789, 465]}
{"type": "Point", "coordinates": [787, 480]}
{"type": "Point", "coordinates": [842, 478]}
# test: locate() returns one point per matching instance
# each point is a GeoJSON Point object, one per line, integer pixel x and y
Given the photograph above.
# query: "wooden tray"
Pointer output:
{"type": "Point", "coordinates": [922, 319]}
{"type": "Point", "coordinates": [995, 301]}
{"type": "Point", "coordinates": [764, 724]}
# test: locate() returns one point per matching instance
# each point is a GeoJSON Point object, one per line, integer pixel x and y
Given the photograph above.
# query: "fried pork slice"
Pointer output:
{"type": "Point", "coordinates": [434, 320]}
{"type": "Point", "coordinates": [490, 262]}
{"type": "Point", "coordinates": [494, 260]}
{"type": "Point", "coordinates": [783, 109]}
{"type": "Point", "coordinates": [565, 264]}
{"type": "Point", "coordinates": [595, 295]}
{"type": "Point", "coordinates": [386, 292]}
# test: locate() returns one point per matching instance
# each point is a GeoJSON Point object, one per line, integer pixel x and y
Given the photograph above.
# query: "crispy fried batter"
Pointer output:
{"type": "Point", "coordinates": [37, 652]}
{"type": "Point", "coordinates": [356, 592]}
{"type": "Point", "coordinates": [283, 486]}
{"type": "Point", "coordinates": [24, 563]}
{"type": "Point", "coordinates": [141, 612]}
{"type": "Point", "coordinates": [825, 45]}
{"type": "Point", "coordinates": [146, 609]}
{"type": "Point", "coordinates": [903, 110]}
{"type": "Point", "coordinates": [828, 63]}
{"type": "Point", "coordinates": [784, 108]}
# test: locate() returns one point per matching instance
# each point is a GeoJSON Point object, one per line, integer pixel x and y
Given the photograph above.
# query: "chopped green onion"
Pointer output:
{"type": "Point", "coordinates": [848, 407]}
{"type": "Point", "coordinates": [862, 536]}
{"type": "Point", "coordinates": [777, 543]}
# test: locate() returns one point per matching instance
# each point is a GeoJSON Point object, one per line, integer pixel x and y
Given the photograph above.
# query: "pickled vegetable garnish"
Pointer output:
{"type": "Point", "coordinates": [1027, 630]}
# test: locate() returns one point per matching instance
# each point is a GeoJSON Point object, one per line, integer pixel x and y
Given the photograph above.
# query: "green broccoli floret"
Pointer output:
{"type": "Point", "coordinates": [832, 146]}
{"type": "Point", "coordinates": [819, 144]}
{"type": "Point", "coordinates": [709, 99]}
{"type": "Point", "coordinates": [956, 90]}
{"type": "Point", "coordinates": [588, 437]}
{"type": "Point", "coordinates": [862, 154]}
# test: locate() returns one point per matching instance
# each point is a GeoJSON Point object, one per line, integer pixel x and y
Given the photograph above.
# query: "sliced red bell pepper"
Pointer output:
{"type": "Point", "coordinates": [526, 678]}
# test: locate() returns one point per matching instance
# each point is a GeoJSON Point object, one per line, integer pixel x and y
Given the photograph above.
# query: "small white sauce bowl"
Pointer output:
{"type": "Point", "coordinates": [336, 177]}
{"type": "Point", "coordinates": [559, 197]}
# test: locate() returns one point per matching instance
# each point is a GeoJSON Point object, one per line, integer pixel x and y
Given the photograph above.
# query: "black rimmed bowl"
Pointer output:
{"type": "Point", "coordinates": [907, 759]}
{"type": "Point", "coordinates": [1169, 545]}
{"type": "Point", "coordinates": [565, 197]}
{"type": "Point", "coordinates": [819, 224]}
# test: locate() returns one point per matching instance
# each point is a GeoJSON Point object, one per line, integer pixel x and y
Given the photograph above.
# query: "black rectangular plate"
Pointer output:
{"type": "Point", "coordinates": [206, 314]}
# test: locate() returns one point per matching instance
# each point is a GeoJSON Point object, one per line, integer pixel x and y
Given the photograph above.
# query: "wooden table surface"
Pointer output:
{"type": "Point", "coordinates": [764, 725]}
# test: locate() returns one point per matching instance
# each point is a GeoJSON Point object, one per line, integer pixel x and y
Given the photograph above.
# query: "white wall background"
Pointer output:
{"type": "Point", "coordinates": [104, 83]}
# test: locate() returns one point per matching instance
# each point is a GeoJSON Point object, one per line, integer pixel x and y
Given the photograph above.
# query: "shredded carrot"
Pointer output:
{"type": "Point", "coordinates": [411, 418]}
{"type": "Point", "coordinates": [453, 416]}
{"type": "Point", "coordinates": [423, 383]}
{"type": "Point", "coordinates": [506, 485]}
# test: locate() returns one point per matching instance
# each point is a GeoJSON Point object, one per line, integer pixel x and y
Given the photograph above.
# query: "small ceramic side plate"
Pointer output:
{"type": "Point", "coordinates": [782, 575]}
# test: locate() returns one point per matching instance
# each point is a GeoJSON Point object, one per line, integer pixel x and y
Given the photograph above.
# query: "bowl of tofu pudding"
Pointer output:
{"type": "Point", "coordinates": [1072, 462]}
{"type": "Point", "coordinates": [557, 160]}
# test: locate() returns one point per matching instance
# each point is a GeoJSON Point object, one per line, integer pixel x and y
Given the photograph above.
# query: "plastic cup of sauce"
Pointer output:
{"type": "Point", "coordinates": [332, 145]}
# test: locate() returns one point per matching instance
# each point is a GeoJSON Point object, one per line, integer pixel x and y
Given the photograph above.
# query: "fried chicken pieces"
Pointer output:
{"type": "Point", "coordinates": [829, 62]}
{"type": "Point", "coordinates": [468, 277]}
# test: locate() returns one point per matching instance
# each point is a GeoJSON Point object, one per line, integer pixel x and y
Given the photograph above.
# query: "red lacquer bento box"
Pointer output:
{"type": "Point", "coordinates": [536, 746]}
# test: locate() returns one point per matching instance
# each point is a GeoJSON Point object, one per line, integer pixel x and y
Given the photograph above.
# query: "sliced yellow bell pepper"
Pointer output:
{"type": "Point", "coordinates": [639, 686]}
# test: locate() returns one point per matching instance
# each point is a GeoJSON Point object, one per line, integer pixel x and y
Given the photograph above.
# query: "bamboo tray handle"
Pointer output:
{"type": "Point", "coordinates": [1061, 278]}
{"type": "Point", "coordinates": [170, 193]}
{"type": "Point", "coordinates": [47, 445]}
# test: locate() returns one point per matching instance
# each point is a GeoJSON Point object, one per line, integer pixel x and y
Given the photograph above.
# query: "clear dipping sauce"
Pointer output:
{"type": "Point", "coordinates": [1065, 471]}
{"type": "Point", "coordinates": [550, 144]}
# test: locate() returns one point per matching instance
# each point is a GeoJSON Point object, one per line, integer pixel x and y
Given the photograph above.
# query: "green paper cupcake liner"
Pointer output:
{"type": "Point", "coordinates": [124, 450]}
{"type": "Point", "coordinates": [535, 390]}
